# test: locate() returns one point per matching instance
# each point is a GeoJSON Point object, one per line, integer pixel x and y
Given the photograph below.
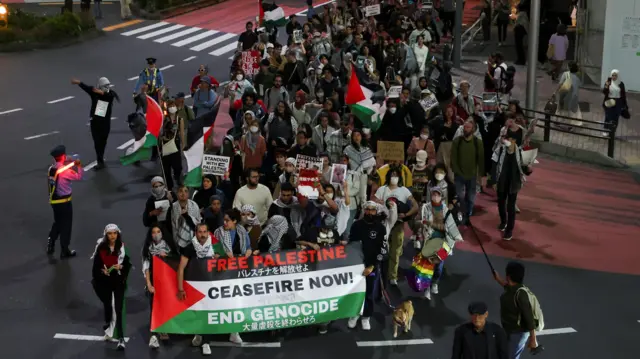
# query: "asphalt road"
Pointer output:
{"type": "Point", "coordinates": [42, 298]}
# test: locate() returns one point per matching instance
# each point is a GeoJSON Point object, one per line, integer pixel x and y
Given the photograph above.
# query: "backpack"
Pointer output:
{"type": "Point", "coordinates": [538, 317]}
{"type": "Point", "coordinates": [507, 78]}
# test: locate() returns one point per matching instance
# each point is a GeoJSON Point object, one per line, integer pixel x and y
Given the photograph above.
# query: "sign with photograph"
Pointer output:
{"type": "Point", "coordinates": [297, 36]}
{"type": "Point", "coordinates": [215, 165]}
{"type": "Point", "coordinates": [338, 174]}
{"type": "Point", "coordinates": [309, 170]}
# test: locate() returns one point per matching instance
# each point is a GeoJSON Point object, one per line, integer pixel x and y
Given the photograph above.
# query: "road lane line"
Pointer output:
{"type": "Point", "coordinates": [182, 33]}
{"type": "Point", "coordinates": [126, 144]}
{"type": "Point", "coordinates": [88, 168]}
{"type": "Point", "coordinates": [213, 42]}
{"type": "Point", "coordinates": [393, 343]}
{"type": "Point", "coordinates": [121, 25]}
{"type": "Point", "coordinates": [40, 135]}
{"type": "Point", "coordinates": [61, 99]}
{"type": "Point", "coordinates": [91, 338]}
{"type": "Point", "coordinates": [246, 344]}
{"type": "Point", "coordinates": [133, 78]}
{"type": "Point", "coordinates": [556, 331]}
{"type": "Point", "coordinates": [195, 38]}
{"type": "Point", "coordinates": [160, 32]}
{"type": "Point", "coordinates": [10, 111]}
{"type": "Point", "coordinates": [231, 58]}
{"type": "Point", "coordinates": [223, 50]}
{"type": "Point", "coordinates": [187, 96]}
{"type": "Point", "coordinates": [166, 67]}
{"type": "Point", "coordinates": [113, 118]}
{"type": "Point", "coordinates": [304, 12]}
{"type": "Point", "coordinates": [189, 58]}
{"type": "Point", "coordinates": [145, 29]}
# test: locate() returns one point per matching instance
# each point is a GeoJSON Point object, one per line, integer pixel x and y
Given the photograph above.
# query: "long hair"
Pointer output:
{"type": "Point", "coordinates": [398, 171]}
{"type": "Point", "coordinates": [104, 245]}
{"type": "Point", "coordinates": [149, 239]}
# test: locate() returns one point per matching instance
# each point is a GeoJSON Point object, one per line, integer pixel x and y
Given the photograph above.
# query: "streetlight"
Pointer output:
{"type": "Point", "coordinates": [4, 16]}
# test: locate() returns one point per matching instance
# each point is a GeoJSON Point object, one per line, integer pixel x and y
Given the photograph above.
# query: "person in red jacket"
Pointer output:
{"type": "Point", "coordinates": [464, 102]}
{"type": "Point", "coordinates": [203, 70]}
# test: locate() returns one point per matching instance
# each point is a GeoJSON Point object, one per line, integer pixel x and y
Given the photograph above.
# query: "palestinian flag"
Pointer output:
{"type": "Point", "coordinates": [144, 143]}
{"type": "Point", "coordinates": [271, 15]}
{"type": "Point", "coordinates": [259, 293]}
{"type": "Point", "coordinates": [366, 99]}
{"type": "Point", "coordinates": [194, 159]}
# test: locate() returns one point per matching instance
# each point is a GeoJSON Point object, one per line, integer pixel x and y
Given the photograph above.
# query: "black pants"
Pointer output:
{"type": "Point", "coordinates": [172, 166]}
{"type": "Point", "coordinates": [507, 209]}
{"type": "Point", "coordinates": [369, 299]}
{"type": "Point", "coordinates": [486, 31]}
{"type": "Point", "coordinates": [502, 30]}
{"type": "Point", "coordinates": [104, 290]}
{"type": "Point", "coordinates": [520, 32]}
{"type": "Point", "coordinates": [62, 224]}
{"type": "Point", "coordinates": [448, 20]}
{"type": "Point", "coordinates": [100, 128]}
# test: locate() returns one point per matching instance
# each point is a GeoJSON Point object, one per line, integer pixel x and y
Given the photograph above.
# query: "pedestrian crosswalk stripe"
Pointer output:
{"type": "Point", "coordinates": [182, 33]}
{"type": "Point", "coordinates": [160, 32]}
{"type": "Point", "coordinates": [144, 29]}
{"type": "Point", "coordinates": [210, 43]}
{"type": "Point", "coordinates": [195, 38]}
{"type": "Point", "coordinates": [221, 51]}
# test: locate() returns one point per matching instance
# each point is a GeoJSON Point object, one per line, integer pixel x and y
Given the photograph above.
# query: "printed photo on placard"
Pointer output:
{"type": "Point", "coordinates": [338, 174]}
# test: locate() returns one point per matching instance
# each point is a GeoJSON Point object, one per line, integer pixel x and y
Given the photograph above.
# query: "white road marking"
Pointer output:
{"type": "Point", "coordinates": [40, 135]}
{"type": "Point", "coordinates": [91, 338]}
{"type": "Point", "coordinates": [195, 38]}
{"type": "Point", "coordinates": [133, 78]}
{"type": "Point", "coordinates": [61, 99]}
{"type": "Point", "coordinates": [113, 118]}
{"type": "Point", "coordinates": [126, 144]}
{"type": "Point", "coordinates": [187, 96]}
{"type": "Point", "coordinates": [88, 168]}
{"type": "Point", "coordinates": [304, 12]}
{"type": "Point", "coordinates": [160, 32]}
{"type": "Point", "coordinates": [231, 58]}
{"type": "Point", "coordinates": [393, 343]}
{"type": "Point", "coordinates": [223, 50]}
{"type": "Point", "coordinates": [246, 344]}
{"type": "Point", "coordinates": [182, 33]}
{"type": "Point", "coordinates": [557, 331]}
{"type": "Point", "coordinates": [144, 29]}
{"type": "Point", "coordinates": [166, 67]}
{"type": "Point", "coordinates": [189, 58]}
{"type": "Point", "coordinates": [10, 111]}
{"type": "Point", "coordinates": [210, 43]}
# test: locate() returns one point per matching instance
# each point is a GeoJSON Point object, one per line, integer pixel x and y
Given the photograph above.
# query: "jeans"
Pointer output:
{"type": "Point", "coordinates": [372, 288]}
{"type": "Point", "coordinates": [612, 115]}
{"type": "Point", "coordinates": [437, 273]}
{"type": "Point", "coordinates": [502, 30]}
{"type": "Point", "coordinates": [97, 10]}
{"type": "Point", "coordinates": [517, 343]}
{"type": "Point", "coordinates": [466, 189]}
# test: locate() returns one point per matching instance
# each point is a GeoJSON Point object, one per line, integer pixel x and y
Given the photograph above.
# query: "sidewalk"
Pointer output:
{"type": "Point", "coordinates": [110, 10]}
{"type": "Point", "coordinates": [627, 148]}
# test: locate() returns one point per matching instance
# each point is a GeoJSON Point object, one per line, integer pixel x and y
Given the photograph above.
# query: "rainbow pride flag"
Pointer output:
{"type": "Point", "coordinates": [421, 273]}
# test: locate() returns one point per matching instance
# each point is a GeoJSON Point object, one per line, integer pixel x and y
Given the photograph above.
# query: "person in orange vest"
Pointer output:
{"type": "Point", "coordinates": [61, 174]}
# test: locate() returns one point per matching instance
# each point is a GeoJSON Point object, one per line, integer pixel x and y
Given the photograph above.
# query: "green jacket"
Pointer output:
{"type": "Point", "coordinates": [467, 157]}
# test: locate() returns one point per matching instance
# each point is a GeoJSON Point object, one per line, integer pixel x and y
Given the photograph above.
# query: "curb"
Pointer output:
{"type": "Point", "coordinates": [577, 154]}
{"type": "Point", "coordinates": [31, 46]}
{"type": "Point", "coordinates": [173, 11]}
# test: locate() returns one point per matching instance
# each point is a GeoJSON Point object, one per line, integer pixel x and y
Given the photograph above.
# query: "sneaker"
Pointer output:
{"type": "Point", "coordinates": [502, 226]}
{"type": "Point", "coordinates": [413, 237]}
{"type": "Point", "coordinates": [393, 282]}
{"type": "Point", "coordinates": [154, 343]}
{"type": "Point", "coordinates": [434, 288]}
{"type": "Point", "coordinates": [206, 349]}
{"type": "Point", "coordinates": [196, 341]}
{"type": "Point", "coordinates": [517, 209]}
{"type": "Point", "coordinates": [235, 338]}
{"type": "Point", "coordinates": [69, 253]}
{"type": "Point", "coordinates": [366, 324]}
{"type": "Point", "coordinates": [427, 294]}
{"type": "Point", "coordinates": [507, 235]}
{"type": "Point", "coordinates": [121, 345]}
{"type": "Point", "coordinates": [323, 329]}
{"type": "Point", "coordinates": [417, 244]}
{"type": "Point", "coordinates": [99, 166]}
{"type": "Point", "coordinates": [352, 323]}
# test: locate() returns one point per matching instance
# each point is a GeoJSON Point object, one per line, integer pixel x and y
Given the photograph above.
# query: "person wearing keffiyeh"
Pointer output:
{"type": "Point", "coordinates": [185, 215]}
{"type": "Point", "coordinates": [234, 237]}
{"type": "Point", "coordinates": [111, 266]}
{"type": "Point", "coordinates": [272, 235]}
{"type": "Point", "coordinates": [155, 245]}
{"type": "Point", "coordinates": [159, 192]}
{"type": "Point", "coordinates": [288, 206]}
{"type": "Point", "coordinates": [250, 222]}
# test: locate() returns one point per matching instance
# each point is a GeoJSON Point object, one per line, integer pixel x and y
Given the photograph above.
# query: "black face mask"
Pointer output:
{"type": "Point", "coordinates": [369, 218]}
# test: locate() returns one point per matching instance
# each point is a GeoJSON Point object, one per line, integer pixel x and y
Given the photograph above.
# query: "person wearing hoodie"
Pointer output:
{"type": "Point", "coordinates": [202, 196]}
{"type": "Point", "coordinates": [288, 206]}
{"type": "Point", "coordinates": [444, 89]}
{"type": "Point", "coordinates": [422, 142]}
{"type": "Point", "coordinates": [159, 192]}
{"type": "Point", "coordinates": [322, 132]}
{"type": "Point", "coordinates": [264, 79]}
{"type": "Point", "coordinates": [204, 98]}
{"type": "Point", "coordinates": [253, 146]}
{"type": "Point", "coordinates": [102, 98]}
{"type": "Point", "coordinates": [310, 83]}
{"type": "Point", "coordinates": [213, 214]}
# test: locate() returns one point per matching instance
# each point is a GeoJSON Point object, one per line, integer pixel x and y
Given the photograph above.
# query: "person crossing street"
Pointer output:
{"type": "Point", "coordinates": [61, 174]}
{"type": "Point", "coordinates": [152, 77]}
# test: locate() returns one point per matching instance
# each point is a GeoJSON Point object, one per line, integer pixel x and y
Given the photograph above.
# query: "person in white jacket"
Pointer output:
{"type": "Point", "coordinates": [421, 50]}
{"type": "Point", "coordinates": [437, 224]}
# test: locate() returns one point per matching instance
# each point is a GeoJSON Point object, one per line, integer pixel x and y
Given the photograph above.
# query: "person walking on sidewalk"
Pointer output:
{"type": "Point", "coordinates": [504, 10]}
{"type": "Point", "coordinates": [125, 10]}
{"type": "Point", "coordinates": [558, 46]}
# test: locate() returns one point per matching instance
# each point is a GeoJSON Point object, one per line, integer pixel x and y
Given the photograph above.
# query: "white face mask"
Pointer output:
{"type": "Point", "coordinates": [157, 237]}
{"type": "Point", "coordinates": [329, 195]}
{"type": "Point", "coordinates": [440, 176]}
{"type": "Point", "coordinates": [506, 143]}
{"type": "Point", "coordinates": [239, 77]}
{"type": "Point", "coordinates": [254, 129]}
{"type": "Point", "coordinates": [173, 110]}
{"type": "Point", "coordinates": [392, 110]}
{"type": "Point", "coordinates": [394, 181]}
{"type": "Point", "coordinates": [424, 136]}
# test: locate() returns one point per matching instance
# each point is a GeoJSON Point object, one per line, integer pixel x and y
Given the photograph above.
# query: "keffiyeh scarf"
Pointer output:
{"type": "Point", "coordinates": [182, 232]}
{"type": "Point", "coordinates": [249, 208]}
{"type": "Point", "coordinates": [297, 215]}
{"type": "Point", "coordinates": [203, 250]}
{"type": "Point", "coordinates": [276, 227]}
{"type": "Point", "coordinates": [224, 236]}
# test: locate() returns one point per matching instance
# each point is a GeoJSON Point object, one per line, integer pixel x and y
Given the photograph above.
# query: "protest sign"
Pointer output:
{"type": "Point", "coordinates": [372, 10]}
{"type": "Point", "coordinates": [394, 91]}
{"type": "Point", "coordinates": [529, 157]}
{"type": "Point", "coordinates": [338, 173]}
{"type": "Point", "coordinates": [251, 62]}
{"type": "Point", "coordinates": [308, 163]}
{"type": "Point", "coordinates": [297, 36]}
{"type": "Point", "coordinates": [308, 169]}
{"type": "Point", "coordinates": [428, 103]}
{"type": "Point", "coordinates": [215, 165]}
{"type": "Point", "coordinates": [427, 4]}
{"type": "Point", "coordinates": [273, 291]}
{"type": "Point", "coordinates": [490, 102]}
{"type": "Point", "coordinates": [391, 151]}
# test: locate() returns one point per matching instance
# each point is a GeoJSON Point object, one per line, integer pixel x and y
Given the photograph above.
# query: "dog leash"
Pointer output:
{"type": "Point", "coordinates": [385, 295]}
{"type": "Point", "coordinates": [475, 234]}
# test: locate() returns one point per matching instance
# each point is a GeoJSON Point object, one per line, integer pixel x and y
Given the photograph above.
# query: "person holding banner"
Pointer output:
{"type": "Point", "coordinates": [172, 145]}
{"type": "Point", "coordinates": [111, 266]}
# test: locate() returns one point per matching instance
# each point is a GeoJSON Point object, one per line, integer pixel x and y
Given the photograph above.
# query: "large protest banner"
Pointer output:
{"type": "Point", "coordinates": [267, 292]}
